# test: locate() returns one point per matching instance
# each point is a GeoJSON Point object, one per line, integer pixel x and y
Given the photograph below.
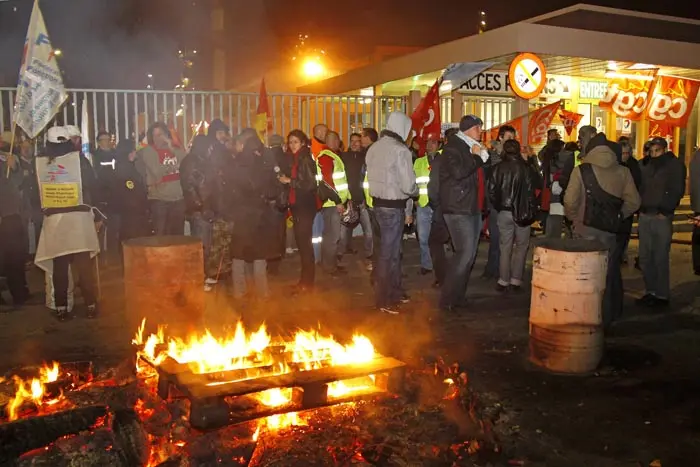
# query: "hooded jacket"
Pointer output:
{"type": "Point", "coordinates": [390, 165]}
{"type": "Point", "coordinates": [612, 177]}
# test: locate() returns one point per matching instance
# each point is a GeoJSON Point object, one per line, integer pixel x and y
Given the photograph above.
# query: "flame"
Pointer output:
{"type": "Point", "coordinates": [258, 351]}
{"type": "Point", "coordinates": [32, 390]}
{"type": "Point", "coordinates": [245, 355]}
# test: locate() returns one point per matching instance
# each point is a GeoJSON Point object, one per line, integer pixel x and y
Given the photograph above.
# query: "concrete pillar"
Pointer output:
{"type": "Point", "coordinates": [457, 106]}
{"type": "Point", "coordinates": [521, 107]}
{"type": "Point", "coordinates": [413, 100]}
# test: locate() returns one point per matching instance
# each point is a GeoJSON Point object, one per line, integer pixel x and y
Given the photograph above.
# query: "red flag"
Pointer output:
{"type": "Point", "coordinates": [662, 129]}
{"type": "Point", "coordinates": [537, 126]}
{"type": "Point", "coordinates": [672, 101]}
{"type": "Point", "coordinates": [426, 118]}
{"type": "Point", "coordinates": [263, 120]}
{"type": "Point", "coordinates": [570, 120]}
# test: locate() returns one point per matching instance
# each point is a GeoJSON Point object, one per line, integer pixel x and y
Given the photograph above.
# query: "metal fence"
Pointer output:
{"type": "Point", "coordinates": [494, 111]}
{"type": "Point", "coordinates": [127, 114]}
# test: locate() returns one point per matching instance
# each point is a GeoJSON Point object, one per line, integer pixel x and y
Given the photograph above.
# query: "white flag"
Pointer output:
{"type": "Point", "coordinates": [85, 132]}
{"type": "Point", "coordinates": [40, 92]}
{"type": "Point", "coordinates": [459, 73]}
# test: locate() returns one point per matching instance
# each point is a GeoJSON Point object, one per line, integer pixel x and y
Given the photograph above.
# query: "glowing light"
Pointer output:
{"type": "Point", "coordinates": [312, 68]}
{"type": "Point", "coordinates": [58, 52]}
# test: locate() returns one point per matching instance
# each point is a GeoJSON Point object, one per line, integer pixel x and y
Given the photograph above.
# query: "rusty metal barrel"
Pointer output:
{"type": "Point", "coordinates": [164, 281]}
{"type": "Point", "coordinates": [566, 322]}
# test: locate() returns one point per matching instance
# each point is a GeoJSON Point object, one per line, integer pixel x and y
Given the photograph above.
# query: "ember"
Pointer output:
{"type": "Point", "coordinates": [262, 400]}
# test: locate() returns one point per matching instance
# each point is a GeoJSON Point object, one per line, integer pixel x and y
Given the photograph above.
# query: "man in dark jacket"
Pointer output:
{"type": "Point", "coordinates": [511, 188]}
{"type": "Point", "coordinates": [104, 162]}
{"type": "Point", "coordinates": [505, 133]}
{"type": "Point", "coordinates": [199, 180]}
{"type": "Point", "coordinates": [695, 206]}
{"type": "Point", "coordinates": [354, 161]}
{"type": "Point", "coordinates": [462, 157]}
{"type": "Point", "coordinates": [663, 186]}
{"type": "Point", "coordinates": [13, 241]}
{"type": "Point", "coordinates": [279, 163]}
{"type": "Point", "coordinates": [623, 236]}
{"type": "Point", "coordinates": [129, 193]}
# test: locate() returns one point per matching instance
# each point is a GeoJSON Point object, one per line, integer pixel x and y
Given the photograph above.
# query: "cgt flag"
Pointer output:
{"type": "Point", "coordinates": [40, 91]}
{"type": "Point", "coordinates": [570, 120]}
{"type": "Point", "coordinates": [263, 120]}
{"type": "Point", "coordinates": [538, 122]}
{"type": "Point", "coordinates": [426, 118]}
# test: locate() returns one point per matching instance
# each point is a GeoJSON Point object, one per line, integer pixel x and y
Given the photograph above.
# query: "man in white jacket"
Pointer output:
{"type": "Point", "coordinates": [392, 182]}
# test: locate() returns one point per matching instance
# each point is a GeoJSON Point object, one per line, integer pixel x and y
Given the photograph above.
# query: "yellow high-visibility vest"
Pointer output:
{"type": "Point", "coordinates": [422, 169]}
{"type": "Point", "coordinates": [339, 179]}
{"type": "Point", "coordinates": [368, 197]}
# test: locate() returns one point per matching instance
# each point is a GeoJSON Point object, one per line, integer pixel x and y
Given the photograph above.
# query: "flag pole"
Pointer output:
{"type": "Point", "coordinates": [12, 147]}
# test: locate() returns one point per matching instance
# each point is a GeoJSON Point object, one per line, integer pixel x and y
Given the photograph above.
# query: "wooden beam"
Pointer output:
{"type": "Point", "coordinates": [198, 390]}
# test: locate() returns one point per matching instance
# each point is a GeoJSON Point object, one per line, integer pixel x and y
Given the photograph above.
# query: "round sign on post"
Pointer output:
{"type": "Point", "coordinates": [527, 75]}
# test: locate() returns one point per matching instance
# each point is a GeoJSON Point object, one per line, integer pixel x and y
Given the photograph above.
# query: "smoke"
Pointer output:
{"type": "Point", "coordinates": [107, 44]}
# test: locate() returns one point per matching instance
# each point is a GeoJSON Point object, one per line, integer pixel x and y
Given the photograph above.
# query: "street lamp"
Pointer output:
{"type": "Point", "coordinates": [312, 68]}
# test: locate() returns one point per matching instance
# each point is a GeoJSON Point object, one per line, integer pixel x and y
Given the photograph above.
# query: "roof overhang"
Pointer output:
{"type": "Point", "coordinates": [519, 37]}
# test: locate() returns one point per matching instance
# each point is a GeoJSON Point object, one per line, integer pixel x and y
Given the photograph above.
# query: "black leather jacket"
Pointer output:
{"type": "Point", "coordinates": [511, 187]}
{"type": "Point", "coordinates": [304, 183]}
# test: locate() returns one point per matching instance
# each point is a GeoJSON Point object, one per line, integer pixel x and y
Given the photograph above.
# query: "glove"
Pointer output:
{"type": "Point", "coordinates": [556, 189]}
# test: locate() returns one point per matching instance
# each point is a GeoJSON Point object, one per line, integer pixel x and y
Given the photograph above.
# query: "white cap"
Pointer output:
{"type": "Point", "coordinates": [73, 131]}
{"type": "Point", "coordinates": [58, 134]}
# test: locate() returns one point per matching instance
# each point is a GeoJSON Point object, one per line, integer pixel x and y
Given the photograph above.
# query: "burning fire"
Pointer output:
{"type": "Point", "coordinates": [308, 350]}
{"type": "Point", "coordinates": [33, 390]}
{"type": "Point", "coordinates": [257, 354]}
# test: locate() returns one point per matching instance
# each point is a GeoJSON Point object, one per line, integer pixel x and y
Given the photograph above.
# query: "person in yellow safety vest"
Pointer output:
{"type": "Point", "coordinates": [368, 197]}
{"type": "Point", "coordinates": [318, 144]}
{"type": "Point", "coordinates": [424, 213]}
{"type": "Point", "coordinates": [332, 171]}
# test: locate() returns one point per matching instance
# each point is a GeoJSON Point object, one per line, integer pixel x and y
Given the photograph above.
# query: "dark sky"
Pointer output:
{"type": "Point", "coordinates": [115, 43]}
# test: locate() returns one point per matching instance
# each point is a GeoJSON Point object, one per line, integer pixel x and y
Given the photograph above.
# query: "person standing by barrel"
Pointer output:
{"type": "Point", "coordinates": [600, 195]}
{"type": "Point", "coordinates": [68, 188]}
{"type": "Point", "coordinates": [159, 164]}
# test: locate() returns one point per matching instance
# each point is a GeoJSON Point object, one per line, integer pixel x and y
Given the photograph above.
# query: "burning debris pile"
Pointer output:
{"type": "Point", "coordinates": [246, 399]}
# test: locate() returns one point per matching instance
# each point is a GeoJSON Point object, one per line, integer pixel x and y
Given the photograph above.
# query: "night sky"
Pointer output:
{"type": "Point", "coordinates": [115, 43]}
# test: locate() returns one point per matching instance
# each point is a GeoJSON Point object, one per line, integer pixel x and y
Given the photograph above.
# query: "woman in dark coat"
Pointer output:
{"type": "Point", "coordinates": [252, 189]}
{"type": "Point", "coordinates": [303, 201]}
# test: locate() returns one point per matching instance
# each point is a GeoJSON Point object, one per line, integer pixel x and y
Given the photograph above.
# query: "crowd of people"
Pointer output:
{"type": "Point", "coordinates": [240, 196]}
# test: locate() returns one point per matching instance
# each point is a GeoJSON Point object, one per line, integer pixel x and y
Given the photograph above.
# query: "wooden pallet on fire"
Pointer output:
{"type": "Point", "coordinates": [226, 398]}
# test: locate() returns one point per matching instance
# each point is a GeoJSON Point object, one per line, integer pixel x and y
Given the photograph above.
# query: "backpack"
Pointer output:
{"type": "Point", "coordinates": [602, 210]}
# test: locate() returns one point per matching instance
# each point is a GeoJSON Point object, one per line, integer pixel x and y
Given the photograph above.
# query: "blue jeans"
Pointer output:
{"type": "Point", "coordinates": [655, 235]}
{"type": "Point", "coordinates": [202, 229]}
{"type": "Point", "coordinates": [424, 217]}
{"type": "Point", "coordinates": [168, 217]}
{"type": "Point", "coordinates": [464, 230]}
{"type": "Point", "coordinates": [317, 236]}
{"type": "Point", "coordinates": [346, 233]}
{"type": "Point", "coordinates": [494, 256]}
{"type": "Point", "coordinates": [387, 285]}
{"type": "Point", "coordinates": [240, 282]}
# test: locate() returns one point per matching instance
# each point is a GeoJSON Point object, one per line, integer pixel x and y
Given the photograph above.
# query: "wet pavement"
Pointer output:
{"type": "Point", "coordinates": [643, 404]}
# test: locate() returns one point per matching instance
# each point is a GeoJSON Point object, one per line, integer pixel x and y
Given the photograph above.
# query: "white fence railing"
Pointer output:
{"type": "Point", "coordinates": [128, 113]}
